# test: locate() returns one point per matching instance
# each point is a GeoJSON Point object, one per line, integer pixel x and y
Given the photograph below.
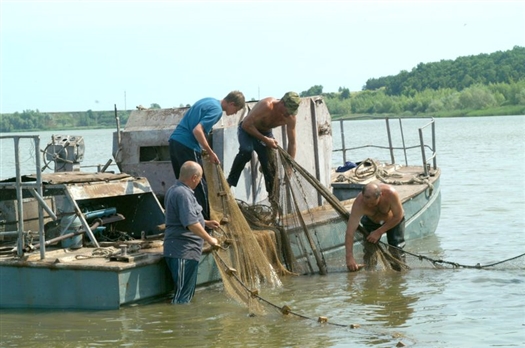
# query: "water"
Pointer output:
{"type": "Point", "coordinates": [98, 150]}
{"type": "Point", "coordinates": [482, 221]}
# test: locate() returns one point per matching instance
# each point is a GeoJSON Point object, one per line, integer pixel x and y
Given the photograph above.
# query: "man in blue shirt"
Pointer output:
{"type": "Point", "coordinates": [185, 234]}
{"type": "Point", "coordinates": [189, 139]}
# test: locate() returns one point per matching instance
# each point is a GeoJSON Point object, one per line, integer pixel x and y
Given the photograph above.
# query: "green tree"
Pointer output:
{"type": "Point", "coordinates": [312, 91]}
{"type": "Point", "coordinates": [345, 93]}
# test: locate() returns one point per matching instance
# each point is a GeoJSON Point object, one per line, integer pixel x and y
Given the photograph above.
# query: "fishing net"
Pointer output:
{"type": "Point", "coordinates": [243, 264]}
{"type": "Point", "coordinates": [304, 201]}
{"type": "Point", "coordinates": [256, 239]}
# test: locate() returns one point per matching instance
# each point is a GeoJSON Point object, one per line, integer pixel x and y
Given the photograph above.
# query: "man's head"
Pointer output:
{"type": "Point", "coordinates": [191, 174]}
{"type": "Point", "coordinates": [233, 102]}
{"type": "Point", "coordinates": [371, 193]}
{"type": "Point", "coordinates": [291, 101]}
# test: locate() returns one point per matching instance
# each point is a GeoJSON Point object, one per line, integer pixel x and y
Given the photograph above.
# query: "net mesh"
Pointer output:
{"type": "Point", "coordinates": [243, 264]}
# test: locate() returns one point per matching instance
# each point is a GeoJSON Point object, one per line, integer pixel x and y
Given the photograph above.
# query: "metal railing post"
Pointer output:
{"type": "Point", "coordinates": [390, 141]}
{"type": "Point", "coordinates": [434, 143]}
{"type": "Point", "coordinates": [423, 156]}
{"type": "Point", "coordinates": [403, 141]}
{"type": "Point", "coordinates": [19, 197]}
{"type": "Point", "coordinates": [343, 146]}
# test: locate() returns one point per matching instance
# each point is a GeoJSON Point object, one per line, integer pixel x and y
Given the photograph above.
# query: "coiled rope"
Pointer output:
{"type": "Point", "coordinates": [369, 168]}
{"type": "Point", "coordinates": [107, 252]}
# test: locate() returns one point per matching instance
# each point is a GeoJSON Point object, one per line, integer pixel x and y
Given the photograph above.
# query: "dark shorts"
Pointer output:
{"type": "Point", "coordinates": [395, 236]}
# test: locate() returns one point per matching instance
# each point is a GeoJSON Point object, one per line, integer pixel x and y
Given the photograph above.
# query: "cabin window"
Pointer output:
{"type": "Point", "coordinates": [154, 153]}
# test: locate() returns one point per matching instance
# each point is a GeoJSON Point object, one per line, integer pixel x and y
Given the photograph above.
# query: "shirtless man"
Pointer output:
{"type": "Point", "coordinates": [380, 211]}
{"type": "Point", "coordinates": [255, 134]}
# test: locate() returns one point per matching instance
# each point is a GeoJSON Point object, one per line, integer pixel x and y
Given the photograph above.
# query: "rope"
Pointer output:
{"type": "Point", "coordinates": [285, 310]}
{"type": "Point", "coordinates": [371, 169]}
{"type": "Point", "coordinates": [454, 264]}
{"type": "Point", "coordinates": [100, 253]}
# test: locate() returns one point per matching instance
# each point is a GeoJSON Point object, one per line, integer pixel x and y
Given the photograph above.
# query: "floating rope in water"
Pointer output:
{"type": "Point", "coordinates": [435, 262]}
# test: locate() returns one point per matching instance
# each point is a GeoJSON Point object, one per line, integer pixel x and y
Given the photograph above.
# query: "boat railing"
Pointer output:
{"type": "Point", "coordinates": [422, 146]}
{"type": "Point", "coordinates": [35, 189]}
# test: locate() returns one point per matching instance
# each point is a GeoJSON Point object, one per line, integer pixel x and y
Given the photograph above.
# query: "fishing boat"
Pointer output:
{"type": "Point", "coordinates": [92, 240]}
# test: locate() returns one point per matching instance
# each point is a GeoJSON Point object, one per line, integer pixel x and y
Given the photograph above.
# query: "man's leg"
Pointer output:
{"type": "Point", "coordinates": [396, 239]}
{"type": "Point", "coordinates": [243, 157]}
{"type": "Point", "coordinates": [184, 274]}
{"type": "Point", "coordinates": [268, 169]}
{"type": "Point", "coordinates": [179, 154]}
{"type": "Point", "coordinates": [174, 147]}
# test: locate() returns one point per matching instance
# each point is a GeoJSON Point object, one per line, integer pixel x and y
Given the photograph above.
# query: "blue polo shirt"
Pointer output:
{"type": "Point", "coordinates": [182, 210]}
{"type": "Point", "coordinates": [207, 112]}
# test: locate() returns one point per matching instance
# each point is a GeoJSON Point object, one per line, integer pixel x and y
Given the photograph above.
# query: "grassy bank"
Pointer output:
{"type": "Point", "coordinates": [511, 110]}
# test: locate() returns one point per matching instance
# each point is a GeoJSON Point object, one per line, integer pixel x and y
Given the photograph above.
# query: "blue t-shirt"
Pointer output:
{"type": "Point", "coordinates": [182, 210]}
{"type": "Point", "coordinates": [207, 112]}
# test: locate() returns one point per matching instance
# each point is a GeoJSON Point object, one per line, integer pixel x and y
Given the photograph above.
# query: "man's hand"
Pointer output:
{"type": "Point", "coordinates": [374, 237]}
{"type": "Point", "coordinates": [212, 224]}
{"type": "Point", "coordinates": [271, 142]}
{"type": "Point", "coordinates": [214, 242]}
{"type": "Point", "coordinates": [212, 157]}
{"type": "Point", "coordinates": [352, 265]}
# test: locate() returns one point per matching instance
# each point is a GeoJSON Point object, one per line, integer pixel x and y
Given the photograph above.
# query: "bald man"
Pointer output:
{"type": "Point", "coordinates": [379, 210]}
{"type": "Point", "coordinates": [185, 234]}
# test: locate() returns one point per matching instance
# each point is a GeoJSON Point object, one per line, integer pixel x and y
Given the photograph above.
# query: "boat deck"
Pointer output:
{"type": "Point", "coordinates": [109, 258]}
{"type": "Point", "coordinates": [408, 181]}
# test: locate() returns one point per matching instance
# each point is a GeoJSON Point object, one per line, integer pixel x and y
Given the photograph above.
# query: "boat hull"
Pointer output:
{"type": "Point", "coordinates": [69, 286]}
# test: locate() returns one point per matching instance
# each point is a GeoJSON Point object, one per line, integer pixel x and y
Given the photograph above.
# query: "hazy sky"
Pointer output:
{"type": "Point", "coordinates": [81, 55]}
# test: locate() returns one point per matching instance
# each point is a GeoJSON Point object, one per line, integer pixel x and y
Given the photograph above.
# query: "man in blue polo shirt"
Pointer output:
{"type": "Point", "coordinates": [185, 234]}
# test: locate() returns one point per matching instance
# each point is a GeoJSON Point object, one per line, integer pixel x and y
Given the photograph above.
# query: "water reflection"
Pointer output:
{"type": "Point", "coordinates": [385, 297]}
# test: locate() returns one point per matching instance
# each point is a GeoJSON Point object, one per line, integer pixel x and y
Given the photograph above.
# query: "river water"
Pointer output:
{"type": "Point", "coordinates": [482, 221]}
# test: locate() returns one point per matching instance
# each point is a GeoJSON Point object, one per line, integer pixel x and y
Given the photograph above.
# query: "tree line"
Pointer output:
{"type": "Point", "coordinates": [485, 84]}
{"type": "Point", "coordinates": [31, 120]}
{"type": "Point", "coordinates": [476, 100]}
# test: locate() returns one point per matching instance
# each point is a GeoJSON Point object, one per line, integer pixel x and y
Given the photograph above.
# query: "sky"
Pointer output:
{"type": "Point", "coordinates": [59, 56]}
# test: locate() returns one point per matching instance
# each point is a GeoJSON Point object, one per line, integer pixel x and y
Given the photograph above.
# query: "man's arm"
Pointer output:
{"type": "Point", "coordinates": [353, 223]}
{"type": "Point", "coordinates": [197, 229]}
{"type": "Point", "coordinates": [198, 133]}
{"type": "Point", "coordinates": [290, 131]}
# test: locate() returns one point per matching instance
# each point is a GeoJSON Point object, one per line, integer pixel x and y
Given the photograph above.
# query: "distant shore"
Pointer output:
{"type": "Point", "coordinates": [513, 110]}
